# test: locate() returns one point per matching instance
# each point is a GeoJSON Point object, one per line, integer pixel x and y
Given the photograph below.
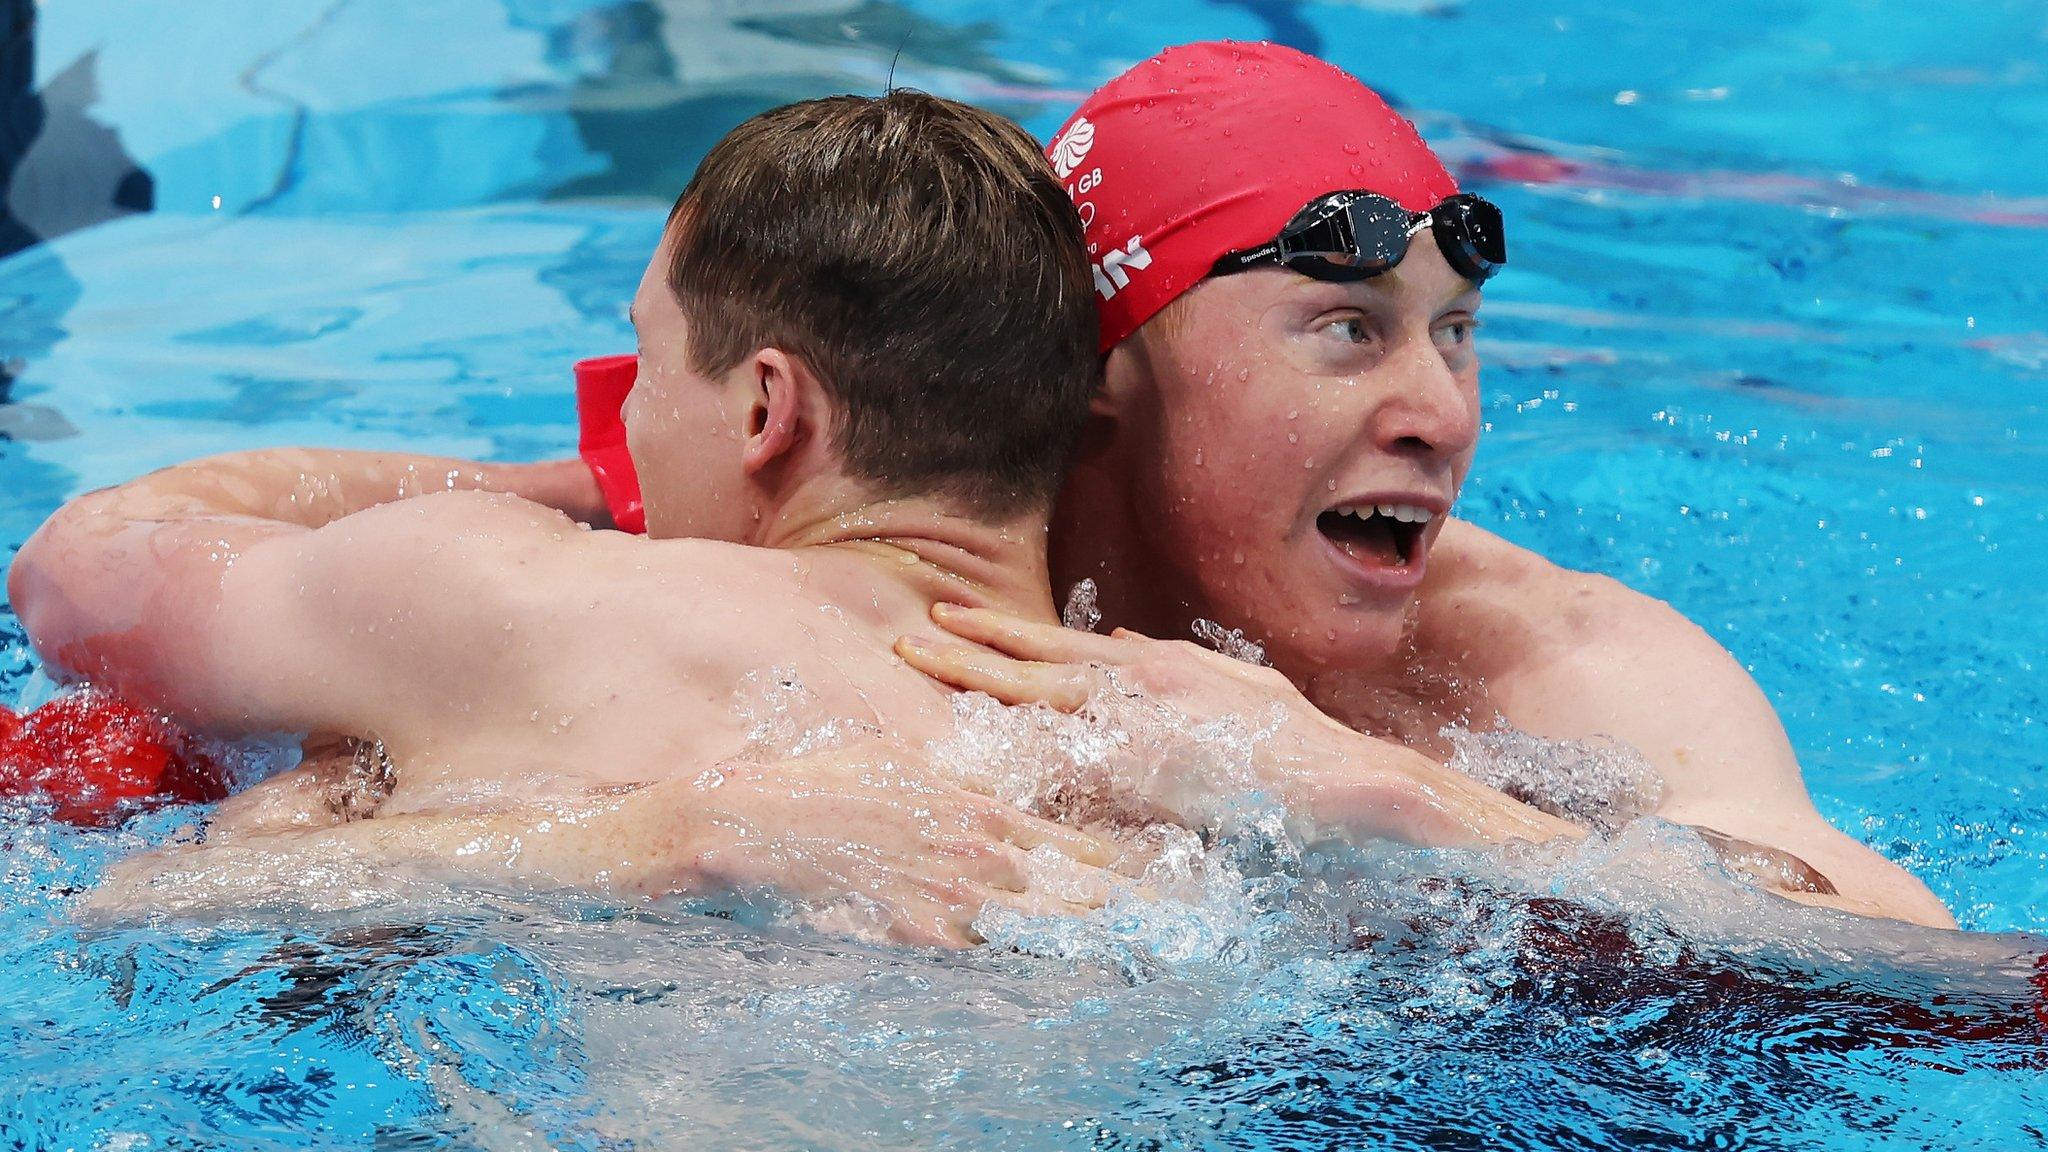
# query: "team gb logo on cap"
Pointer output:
{"type": "Point", "coordinates": [1072, 147]}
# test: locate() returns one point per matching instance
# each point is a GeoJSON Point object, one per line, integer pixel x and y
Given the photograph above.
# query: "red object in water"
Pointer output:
{"type": "Point", "coordinates": [2040, 982]}
{"type": "Point", "coordinates": [602, 383]}
{"type": "Point", "coordinates": [91, 754]}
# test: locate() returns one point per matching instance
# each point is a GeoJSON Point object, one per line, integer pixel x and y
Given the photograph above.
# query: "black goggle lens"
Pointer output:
{"type": "Point", "coordinates": [1469, 231]}
{"type": "Point", "coordinates": [1377, 239]}
{"type": "Point", "coordinates": [1355, 236]}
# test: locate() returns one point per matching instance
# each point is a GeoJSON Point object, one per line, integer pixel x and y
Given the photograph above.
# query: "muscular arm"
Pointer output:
{"type": "Point", "coordinates": [247, 592]}
{"type": "Point", "coordinates": [310, 487]}
{"type": "Point", "coordinates": [1640, 673]}
{"type": "Point", "coordinates": [915, 855]}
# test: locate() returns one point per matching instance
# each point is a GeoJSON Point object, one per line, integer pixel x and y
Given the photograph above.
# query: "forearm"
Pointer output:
{"type": "Point", "coordinates": [1353, 786]}
{"type": "Point", "coordinates": [134, 570]}
{"type": "Point", "coordinates": [1797, 852]}
{"type": "Point", "coordinates": [310, 488]}
{"type": "Point", "coordinates": [1384, 791]}
{"type": "Point", "coordinates": [609, 846]}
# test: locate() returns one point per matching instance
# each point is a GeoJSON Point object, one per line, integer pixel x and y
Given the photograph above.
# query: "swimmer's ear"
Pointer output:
{"type": "Point", "coordinates": [1126, 372]}
{"type": "Point", "coordinates": [785, 399]}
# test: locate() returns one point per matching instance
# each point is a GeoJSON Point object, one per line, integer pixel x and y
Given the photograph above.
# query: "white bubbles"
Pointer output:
{"type": "Point", "coordinates": [1234, 955]}
{"type": "Point", "coordinates": [1600, 786]}
{"type": "Point", "coordinates": [784, 719]}
{"type": "Point", "coordinates": [1082, 612]}
{"type": "Point", "coordinates": [1231, 641]}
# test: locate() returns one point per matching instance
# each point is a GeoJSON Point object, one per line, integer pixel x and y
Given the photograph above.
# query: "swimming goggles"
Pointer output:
{"type": "Point", "coordinates": [1347, 236]}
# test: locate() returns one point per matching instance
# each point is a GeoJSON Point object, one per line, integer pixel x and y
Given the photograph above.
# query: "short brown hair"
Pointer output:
{"type": "Point", "coordinates": [919, 255]}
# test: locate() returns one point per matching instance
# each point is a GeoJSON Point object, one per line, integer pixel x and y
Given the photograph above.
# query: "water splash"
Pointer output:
{"type": "Point", "coordinates": [1600, 786]}
{"type": "Point", "coordinates": [1231, 642]}
{"type": "Point", "coordinates": [785, 719]}
{"type": "Point", "coordinates": [1082, 613]}
{"type": "Point", "coordinates": [1241, 963]}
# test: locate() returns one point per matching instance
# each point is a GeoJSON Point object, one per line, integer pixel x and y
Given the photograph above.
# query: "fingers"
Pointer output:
{"type": "Point", "coordinates": [1038, 904]}
{"type": "Point", "coordinates": [1765, 864]}
{"type": "Point", "coordinates": [1064, 687]}
{"type": "Point", "coordinates": [932, 924]}
{"type": "Point", "coordinates": [1028, 832]}
{"type": "Point", "coordinates": [939, 910]}
{"type": "Point", "coordinates": [1068, 888]}
{"type": "Point", "coordinates": [1026, 640]}
{"type": "Point", "coordinates": [993, 864]}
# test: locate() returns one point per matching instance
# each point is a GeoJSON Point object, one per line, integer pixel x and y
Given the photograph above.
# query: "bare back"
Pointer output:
{"type": "Point", "coordinates": [618, 660]}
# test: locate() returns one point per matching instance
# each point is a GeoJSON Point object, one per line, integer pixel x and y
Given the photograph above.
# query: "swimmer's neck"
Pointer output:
{"type": "Point", "coordinates": [939, 553]}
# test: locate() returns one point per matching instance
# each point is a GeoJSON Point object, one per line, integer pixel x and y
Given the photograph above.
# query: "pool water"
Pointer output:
{"type": "Point", "coordinates": [1774, 348]}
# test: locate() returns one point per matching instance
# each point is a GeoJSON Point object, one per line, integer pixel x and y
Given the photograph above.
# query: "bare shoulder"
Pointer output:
{"type": "Point", "coordinates": [491, 553]}
{"type": "Point", "coordinates": [1576, 655]}
{"type": "Point", "coordinates": [1503, 609]}
{"type": "Point", "coordinates": [488, 575]}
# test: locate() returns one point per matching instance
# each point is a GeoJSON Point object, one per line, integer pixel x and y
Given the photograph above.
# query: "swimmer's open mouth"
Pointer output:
{"type": "Point", "coordinates": [1384, 535]}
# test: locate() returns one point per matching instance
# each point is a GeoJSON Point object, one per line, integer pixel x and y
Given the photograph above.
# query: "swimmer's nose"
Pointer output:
{"type": "Point", "coordinates": [1428, 409]}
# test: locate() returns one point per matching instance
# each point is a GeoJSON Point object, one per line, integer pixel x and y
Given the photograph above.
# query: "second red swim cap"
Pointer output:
{"type": "Point", "coordinates": [1211, 147]}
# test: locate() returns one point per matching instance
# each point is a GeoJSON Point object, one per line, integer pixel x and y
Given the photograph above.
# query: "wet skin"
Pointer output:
{"type": "Point", "coordinates": [1230, 435]}
{"type": "Point", "coordinates": [553, 698]}
{"type": "Point", "coordinates": [1233, 427]}
{"type": "Point", "coordinates": [1234, 423]}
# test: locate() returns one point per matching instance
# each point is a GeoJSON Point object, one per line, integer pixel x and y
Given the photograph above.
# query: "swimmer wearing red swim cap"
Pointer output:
{"type": "Point", "coordinates": [1289, 282]}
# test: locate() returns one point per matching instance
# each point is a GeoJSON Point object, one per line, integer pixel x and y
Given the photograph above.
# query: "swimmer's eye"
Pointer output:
{"type": "Point", "coordinates": [1458, 333]}
{"type": "Point", "coordinates": [1350, 329]}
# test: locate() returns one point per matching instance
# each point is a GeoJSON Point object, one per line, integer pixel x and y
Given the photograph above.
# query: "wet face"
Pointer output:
{"type": "Point", "coordinates": [684, 428]}
{"type": "Point", "coordinates": [1295, 446]}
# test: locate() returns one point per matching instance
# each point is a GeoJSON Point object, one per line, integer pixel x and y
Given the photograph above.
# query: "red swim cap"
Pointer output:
{"type": "Point", "coordinates": [1207, 148]}
{"type": "Point", "coordinates": [93, 756]}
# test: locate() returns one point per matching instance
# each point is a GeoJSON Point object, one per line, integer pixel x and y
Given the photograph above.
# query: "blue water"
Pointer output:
{"type": "Point", "coordinates": [1772, 348]}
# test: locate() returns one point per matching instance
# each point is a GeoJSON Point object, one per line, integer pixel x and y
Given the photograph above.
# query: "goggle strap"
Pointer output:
{"type": "Point", "coordinates": [1238, 261]}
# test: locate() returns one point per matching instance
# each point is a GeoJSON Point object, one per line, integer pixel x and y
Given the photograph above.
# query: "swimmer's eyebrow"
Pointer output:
{"type": "Point", "coordinates": [1468, 296]}
{"type": "Point", "coordinates": [1385, 288]}
{"type": "Point", "coordinates": [632, 317]}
